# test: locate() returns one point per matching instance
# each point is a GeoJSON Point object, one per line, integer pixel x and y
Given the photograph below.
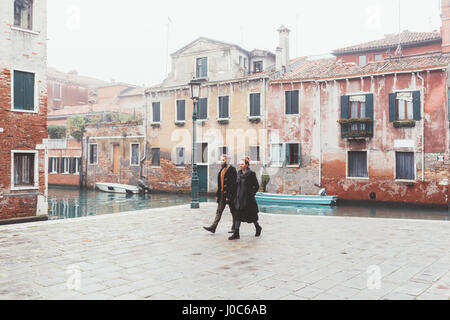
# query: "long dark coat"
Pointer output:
{"type": "Point", "coordinates": [246, 188]}
{"type": "Point", "coordinates": [229, 184]}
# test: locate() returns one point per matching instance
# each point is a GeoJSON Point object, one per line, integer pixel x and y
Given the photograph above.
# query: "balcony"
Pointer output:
{"type": "Point", "coordinates": [356, 128]}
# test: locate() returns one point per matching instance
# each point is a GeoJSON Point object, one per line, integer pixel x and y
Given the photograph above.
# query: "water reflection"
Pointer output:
{"type": "Point", "coordinates": [368, 211]}
{"type": "Point", "coordinates": [66, 203]}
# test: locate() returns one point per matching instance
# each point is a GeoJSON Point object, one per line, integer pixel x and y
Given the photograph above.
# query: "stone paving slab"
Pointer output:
{"type": "Point", "coordinates": [165, 254]}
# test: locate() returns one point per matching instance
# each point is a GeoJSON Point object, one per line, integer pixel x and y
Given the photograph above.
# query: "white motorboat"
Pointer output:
{"type": "Point", "coordinates": [116, 187]}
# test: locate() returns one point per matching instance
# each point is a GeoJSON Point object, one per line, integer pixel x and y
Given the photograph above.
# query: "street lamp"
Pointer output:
{"type": "Point", "coordinates": [195, 95]}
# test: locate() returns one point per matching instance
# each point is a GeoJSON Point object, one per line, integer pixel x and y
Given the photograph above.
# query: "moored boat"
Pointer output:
{"type": "Point", "coordinates": [116, 187]}
{"type": "Point", "coordinates": [293, 200]}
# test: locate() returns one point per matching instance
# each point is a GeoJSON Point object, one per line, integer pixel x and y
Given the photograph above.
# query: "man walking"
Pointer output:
{"type": "Point", "coordinates": [226, 189]}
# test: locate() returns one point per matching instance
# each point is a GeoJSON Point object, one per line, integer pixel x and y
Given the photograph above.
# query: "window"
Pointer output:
{"type": "Point", "coordinates": [292, 102]}
{"type": "Point", "coordinates": [202, 109]}
{"type": "Point", "coordinates": [404, 106]}
{"type": "Point", "coordinates": [23, 13]}
{"type": "Point", "coordinates": [202, 152]}
{"type": "Point", "coordinates": [24, 169]}
{"type": "Point", "coordinates": [257, 66]}
{"type": "Point", "coordinates": [378, 57]}
{"type": "Point", "coordinates": [92, 153]}
{"type": "Point", "coordinates": [357, 110]}
{"type": "Point", "coordinates": [362, 60]}
{"type": "Point", "coordinates": [276, 154]}
{"type": "Point", "coordinates": [181, 110]}
{"type": "Point", "coordinates": [202, 67]}
{"type": "Point", "coordinates": [23, 90]}
{"type": "Point", "coordinates": [65, 165]}
{"type": "Point", "coordinates": [53, 165]}
{"type": "Point", "coordinates": [179, 157]}
{"type": "Point", "coordinates": [254, 154]}
{"type": "Point", "coordinates": [357, 164]}
{"type": "Point", "coordinates": [255, 105]}
{"type": "Point", "coordinates": [156, 112]}
{"type": "Point", "coordinates": [293, 154]}
{"type": "Point", "coordinates": [56, 91]}
{"type": "Point", "coordinates": [404, 165]}
{"type": "Point", "coordinates": [222, 150]}
{"type": "Point", "coordinates": [135, 154]}
{"type": "Point", "coordinates": [156, 157]}
{"type": "Point", "coordinates": [223, 107]}
{"type": "Point", "coordinates": [75, 164]}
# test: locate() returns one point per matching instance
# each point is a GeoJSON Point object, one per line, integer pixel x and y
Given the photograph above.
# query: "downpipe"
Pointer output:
{"type": "Point", "coordinates": [422, 107]}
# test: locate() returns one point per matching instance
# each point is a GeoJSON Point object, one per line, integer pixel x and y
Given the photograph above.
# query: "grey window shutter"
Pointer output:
{"type": "Point", "coordinates": [29, 91]}
{"type": "Point", "coordinates": [416, 105]}
{"type": "Point", "coordinates": [287, 147]}
{"type": "Point", "coordinates": [204, 67]}
{"type": "Point", "coordinates": [299, 154]}
{"type": "Point", "coordinates": [19, 102]}
{"type": "Point", "coordinates": [369, 106]}
{"type": "Point", "coordinates": [344, 107]}
{"type": "Point", "coordinates": [50, 165]}
{"type": "Point", "coordinates": [295, 102]}
{"type": "Point", "coordinates": [257, 108]}
{"type": "Point", "coordinates": [252, 104]}
{"type": "Point", "coordinates": [392, 107]}
{"type": "Point", "coordinates": [226, 107]}
{"type": "Point", "coordinates": [288, 102]}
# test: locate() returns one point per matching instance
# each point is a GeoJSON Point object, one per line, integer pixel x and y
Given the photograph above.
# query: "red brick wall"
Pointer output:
{"type": "Point", "coordinates": [22, 131]}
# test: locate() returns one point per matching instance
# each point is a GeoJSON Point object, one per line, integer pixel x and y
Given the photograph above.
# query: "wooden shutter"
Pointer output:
{"type": "Point", "coordinates": [299, 154]}
{"type": "Point", "coordinates": [344, 106]}
{"type": "Point", "coordinates": [295, 102]}
{"type": "Point", "coordinates": [58, 165]}
{"type": "Point", "coordinates": [204, 67]}
{"type": "Point", "coordinates": [256, 105]}
{"type": "Point", "coordinates": [29, 91]}
{"type": "Point", "coordinates": [50, 165]}
{"type": "Point", "coordinates": [19, 88]}
{"type": "Point", "coordinates": [181, 111]}
{"type": "Point", "coordinates": [416, 105]}
{"type": "Point", "coordinates": [369, 106]}
{"type": "Point", "coordinates": [71, 165]}
{"type": "Point", "coordinates": [287, 147]}
{"type": "Point", "coordinates": [288, 102]}
{"type": "Point", "coordinates": [392, 107]}
{"type": "Point", "coordinates": [156, 112]}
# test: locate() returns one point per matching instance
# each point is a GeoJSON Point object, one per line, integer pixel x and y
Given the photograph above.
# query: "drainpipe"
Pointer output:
{"type": "Point", "coordinates": [422, 107]}
{"type": "Point", "coordinates": [320, 135]}
{"type": "Point", "coordinates": [145, 134]}
{"type": "Point", "coordinates": [265, 124]}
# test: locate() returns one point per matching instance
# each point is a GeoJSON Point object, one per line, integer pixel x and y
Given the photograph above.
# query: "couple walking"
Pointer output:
{"type": "Point", "coordinates": [238, 191]}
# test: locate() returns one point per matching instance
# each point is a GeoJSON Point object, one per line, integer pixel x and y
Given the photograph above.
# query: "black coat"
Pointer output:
{"type": "Point", "coordinates": [229, 183]}
{"type": "Point", "coordinates": [245, 203]}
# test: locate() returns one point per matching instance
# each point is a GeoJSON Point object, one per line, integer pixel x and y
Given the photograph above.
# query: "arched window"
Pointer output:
{"type": "Point", "coordinates": [23, 13]}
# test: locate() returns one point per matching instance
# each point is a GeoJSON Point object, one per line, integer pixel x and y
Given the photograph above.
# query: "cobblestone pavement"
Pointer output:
{"type": "Point", "coordinates": [165, 254]}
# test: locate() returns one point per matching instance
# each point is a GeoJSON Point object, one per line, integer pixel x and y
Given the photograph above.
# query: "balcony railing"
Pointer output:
{"type": "Point", "coordinates": [356, 128]}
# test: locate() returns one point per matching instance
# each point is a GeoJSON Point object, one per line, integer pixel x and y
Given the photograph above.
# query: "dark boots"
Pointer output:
{"type": "Point", "coordinates": [211, 229]}
{"type": "Point", "coordinates": [258, 229]}
{"type": "Point", "coordinates": [235, 235]}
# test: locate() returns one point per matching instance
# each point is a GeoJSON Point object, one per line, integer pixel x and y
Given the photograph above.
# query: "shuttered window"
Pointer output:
{"type": "Point", "coordinates": [293, 154]}
{"type": "Point", "coordinates": [404, 106]}
{"type": "Point", "coordinates": [65, 165]}
{"type": "Point", "coordinates": [23, 91]}
{"type": "Point", "coordinates": [181, 110]}
{"type": "Point", "coordinates": [203, 108]}
{"type": "Point", "coordinates": [180, 157]}
{"type": "Point", "coordinates": [404, 165]}
{"type": "Point", "coordinates": [53, 165]}
{"type": "Point", "coordinates": [224, 107]}
{"type": "Point", "coordinates": [156, 106]}
{"type": "Point", "coordinates": [156, 161]}
{"type": "Point", "coordinates": [75, 164]}
{"type": "Point", "coordinates": [23, 169]}
{"type": "Point", "coordinates": [255, 104]}
{"type": "Point", "coordinates": [357, 164]}
{"type": "Point", "coordinates": [135, 153]}
{"type": "Point", "coordinates": [93, 154]}
{"type": "Point", "coordinates": [202, 67]}
{"type": "Point", "coordinates": [292, 102]}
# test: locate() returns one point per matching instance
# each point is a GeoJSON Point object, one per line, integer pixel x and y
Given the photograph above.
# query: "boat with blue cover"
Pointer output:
{"type": "Point", "coordinates": [294, 200]}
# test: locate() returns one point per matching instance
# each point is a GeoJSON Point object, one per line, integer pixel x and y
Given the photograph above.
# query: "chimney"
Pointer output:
{"type": "Point", "coordinates": [284, 45]}
{"type": "Point", "coordinates": [278, 54]}
{"type": "Point", "coordinates": [445, 29]}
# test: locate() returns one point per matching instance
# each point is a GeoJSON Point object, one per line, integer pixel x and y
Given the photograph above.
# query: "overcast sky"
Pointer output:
{"type": "Point", "coordinates": [127, 40]}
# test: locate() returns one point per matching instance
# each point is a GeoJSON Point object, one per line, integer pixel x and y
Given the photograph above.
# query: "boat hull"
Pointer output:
{"type": "Point", "coordinates": [294, 200]}
{"type": "Point", "coordinates": [116, 187]}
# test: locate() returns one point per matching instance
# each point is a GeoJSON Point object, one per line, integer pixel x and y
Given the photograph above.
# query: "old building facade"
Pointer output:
{"type": "Point", "coordinates": [23, 108]}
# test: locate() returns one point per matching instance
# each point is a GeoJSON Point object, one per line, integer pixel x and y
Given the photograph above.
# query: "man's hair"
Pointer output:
{"type": "Point", "coordinates": [227, 157]}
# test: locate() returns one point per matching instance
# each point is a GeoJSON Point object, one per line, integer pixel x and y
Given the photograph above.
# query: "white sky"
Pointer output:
{"type": "Point", "coordinates": [127, 40]}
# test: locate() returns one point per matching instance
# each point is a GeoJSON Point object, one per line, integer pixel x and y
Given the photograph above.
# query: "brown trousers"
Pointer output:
{"type": "Point", "coordinates": [220, 208]}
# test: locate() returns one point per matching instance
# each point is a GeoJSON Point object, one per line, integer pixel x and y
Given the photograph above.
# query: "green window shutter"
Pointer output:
{"type": "Point", "coordinates": [252, 104]}
{"type": "Point", "coordinates": [257, 108]}
{"type": "Point", "coordinates": [29, 91]}
{"type": "Point", "coordinates": [392, 107]}
{"type": "Point", "coordinates": [369, 106]}
{"type": "Point", "coordinates": [416, 105]}
{"type": "Point", "coordinates": [286, 149]}
{"type": "Point", "coordinates": [288, 102]}
{"type": "Point", "coordinates": [344, 106]}
{"type": "Point", "coordinates": [19, 87]}
{"type": "Point", "coordinates": [299, 154]}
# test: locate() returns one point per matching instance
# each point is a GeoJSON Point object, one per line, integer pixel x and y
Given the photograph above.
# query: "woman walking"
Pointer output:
{"type": "Point", "coordinates": [246, 207]}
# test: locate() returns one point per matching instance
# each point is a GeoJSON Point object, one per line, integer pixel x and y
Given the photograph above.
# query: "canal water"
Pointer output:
{"type": "Point", "coordinates": [65, 203]}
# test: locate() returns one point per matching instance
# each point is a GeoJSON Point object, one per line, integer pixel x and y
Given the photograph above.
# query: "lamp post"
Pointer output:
{"type": "Point", "coordinates": [195, 94]}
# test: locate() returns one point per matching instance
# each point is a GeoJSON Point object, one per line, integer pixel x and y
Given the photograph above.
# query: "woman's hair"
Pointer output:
{"type": "Point", "coordinates": [247, 161]}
